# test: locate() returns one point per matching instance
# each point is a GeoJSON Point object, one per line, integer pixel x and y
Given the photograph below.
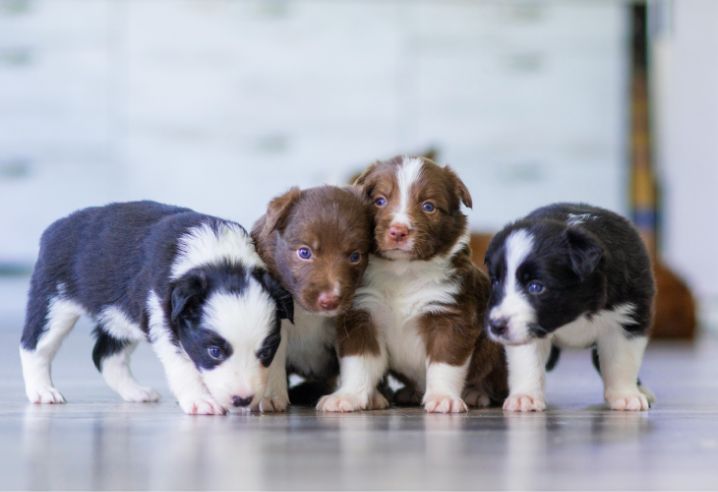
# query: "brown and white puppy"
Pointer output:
{"type": "Point", "coordinates": [315, 242]}
{"type": "Point", "coordinates": [420, 309]}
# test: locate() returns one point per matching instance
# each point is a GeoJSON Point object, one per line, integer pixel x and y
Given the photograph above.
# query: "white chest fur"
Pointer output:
{"type": "Point", "coordinates": [397, 294]}
{"type": "Point", "coordinates": [584, 332]}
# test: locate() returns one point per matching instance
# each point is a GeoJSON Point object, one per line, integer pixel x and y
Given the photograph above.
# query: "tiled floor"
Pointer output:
{"type": "Point", "coordinates": [97, 442]}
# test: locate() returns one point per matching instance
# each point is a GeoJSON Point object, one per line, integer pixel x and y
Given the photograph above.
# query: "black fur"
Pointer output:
{"type": "Point", "coordinates": [586, 267]}
{"type": "Point", "coordinates": [115, 255]}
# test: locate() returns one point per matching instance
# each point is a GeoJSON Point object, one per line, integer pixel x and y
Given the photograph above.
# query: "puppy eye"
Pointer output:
{"type": "Point", "coordinates": [380, 201]}
{"type": "Point", "coordinates": [304, 253]}
{"type": "Point", "coordinates": [355, 257]}
{"type": "Point", "coordinates": [215, 352]}
{"type": "Point", "coordinates": [428, 207]}
{"type": "Point", "coordinates": [535, 287]}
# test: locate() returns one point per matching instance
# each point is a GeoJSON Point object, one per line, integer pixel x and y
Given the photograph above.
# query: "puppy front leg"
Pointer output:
{"type": "Point", "coordinates": [444, 385]}
{"type": "Point", "coordinates": [620, 358]}
{"type": "Point", "coordinates": [527, 373]}
{"type": "Point", "coordinates": [362, 362]}
{"type": "Point", "coordinates": [276, 397]}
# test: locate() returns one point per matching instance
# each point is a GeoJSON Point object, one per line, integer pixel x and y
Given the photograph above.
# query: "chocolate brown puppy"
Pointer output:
{"type": "Point", "coordinates": [316, 243]}
{"type": "Point", "coordinates": [420, 309]}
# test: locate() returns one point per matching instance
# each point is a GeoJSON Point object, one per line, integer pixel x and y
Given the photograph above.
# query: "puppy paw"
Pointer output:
{"type": "Point", "coordinates": [378, 402]}
{"type": "Point", "coordinates": [44, 394]}
{"type": "Point", "coordinates": [627, 401]}
{"type": "Point", "coordinates": [444, 404]}
{"type": "Point", "coordinates": [272, 404]}
{"type": "Point", "coordinates": [140, 394]}
{"type": "Point", "coordinates": [340, 402]}
{"type": "Point", "coordinates": [524, 403]}
{"type": "Point", "coordinates": [476, 398]}
{"type": "Point", "coordinates": [201, 405]}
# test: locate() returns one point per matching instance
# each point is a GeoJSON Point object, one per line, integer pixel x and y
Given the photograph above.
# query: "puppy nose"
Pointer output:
{"type": "Point", "coordinates": [398, 232]}
{"type": "Point", "coordinates": [498, 326]}
{"type": "Point", "coordinates": [239, 401]}
{"type": "Point", "coordinates": [328, 301]}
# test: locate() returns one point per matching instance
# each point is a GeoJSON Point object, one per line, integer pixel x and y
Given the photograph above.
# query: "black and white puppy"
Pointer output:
{"type": "Point", "coordinates": [571, 275]}
{"type": "Point", "coordinates": [191, 284]}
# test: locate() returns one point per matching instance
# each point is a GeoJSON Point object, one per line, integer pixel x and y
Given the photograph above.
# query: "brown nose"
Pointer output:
{"type": "Point", "coordinates": [328, 301]}
{"type": "Point", "coordinates": [398, 232]}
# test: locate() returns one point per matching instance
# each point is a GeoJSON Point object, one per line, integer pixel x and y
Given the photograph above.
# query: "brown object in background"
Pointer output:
{"type": "Point", "coordinates": [675, 316]}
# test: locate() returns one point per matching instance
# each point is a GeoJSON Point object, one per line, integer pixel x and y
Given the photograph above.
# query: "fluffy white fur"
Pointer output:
{"type": "Point", "coordinates": [62, 316]}
{"type": "Point", "coordinates": [203, 245]}
{"type": "Point", "coordinates": [620, 358]}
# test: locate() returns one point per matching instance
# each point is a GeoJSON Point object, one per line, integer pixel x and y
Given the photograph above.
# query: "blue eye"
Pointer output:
{"type": "Point", "coordinates": [380, 201]}
{"type": "Point", "coordinates": [428, 207]}
{"type": "Point", "coordinates": [355, 257]}
{"type": "Point", "coordinates": [304, 253]}
{"type": "Point", "coordinates": [215, 352]}
{"type": "Point", "coordinates": [535, 287]}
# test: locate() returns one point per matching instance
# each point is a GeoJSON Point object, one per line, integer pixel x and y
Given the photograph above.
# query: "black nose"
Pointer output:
{"type": "Point", "coordinates": [498, 326]}
{"type": "Point", "coordinates": [238, 401]}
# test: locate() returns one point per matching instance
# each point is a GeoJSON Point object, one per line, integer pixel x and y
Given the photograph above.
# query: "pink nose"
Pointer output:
{"type": "Point", "coordinates": [398, 232]}
{"type": "Point", "coordinates": [328, 301]}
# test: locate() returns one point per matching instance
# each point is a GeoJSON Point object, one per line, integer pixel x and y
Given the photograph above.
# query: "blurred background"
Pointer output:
{"type": "Point", "coordinates": [220, 105]}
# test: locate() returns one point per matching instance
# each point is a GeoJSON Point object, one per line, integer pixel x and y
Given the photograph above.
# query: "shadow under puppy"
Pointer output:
{"type": "Point", "coordinates": [316, 243]}
{"type": "Point", "coordinates": [419, 311]}
{"type": "Point", "coordinates": [571, 275]}
{"type": "Point", "coordinates": [191, 284]}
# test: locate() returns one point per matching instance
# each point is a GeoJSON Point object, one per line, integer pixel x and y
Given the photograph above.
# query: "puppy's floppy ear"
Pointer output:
{"type": "Point", "coordinates": [278, 210]}
{"type": "Point", "coordinates": [187, 294]}
{"type": "Point", "coordinates": [584, 251]}
{"type": "Point", "coordinates": [365, 181]}
{"type": "Point", "coordinates": [459, 187]}
{"type": "Point", "coordinates": [285, 304]}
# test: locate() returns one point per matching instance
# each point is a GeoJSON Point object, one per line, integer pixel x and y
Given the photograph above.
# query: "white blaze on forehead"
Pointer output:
{"type": "Point", "coordinates": [514, 306]}
{"type": "Point", "coordinates": [406, 175]}
{"type": "Point", "coordinates": [203, 245]}
{"type": "Point", "coordinates": [243, 319]}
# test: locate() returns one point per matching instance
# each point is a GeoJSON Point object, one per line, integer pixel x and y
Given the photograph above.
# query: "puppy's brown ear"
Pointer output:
{"type": "Point", "coordinates": [459, 187]}
{"type": "Point", "coordinates": [364, 182]}
{"type": "Point", "coordinates": [278, 210]}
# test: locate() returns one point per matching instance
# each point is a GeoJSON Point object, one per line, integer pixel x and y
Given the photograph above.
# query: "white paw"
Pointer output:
{"type": "Point", "coordinates": [632, 401]}
{"type": "Point", "coordinates": [201, 405]}
{"type": "Point", "coordinates": [476, 398]}
{"type": "Point", "coordinates": [340, 402]}
{"type": "Point", "coordinates": [46, 394]}
{"type": "Point", "coordinates": [377, 402]}
{"type": "Point", "coordinates": [524, 403]}
{"type": "Point", "coordinates": [444, 404]}
{"type": "Point", "coordinates": [140, 394]}
{"type": "Point", "coordinates": [273, 404]}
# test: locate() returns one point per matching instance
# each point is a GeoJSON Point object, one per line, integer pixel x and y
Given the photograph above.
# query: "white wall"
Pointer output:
{"type": "Point", "coordinates": [686, 59]}
{"type": "Point", "coordinates": [221, 104]}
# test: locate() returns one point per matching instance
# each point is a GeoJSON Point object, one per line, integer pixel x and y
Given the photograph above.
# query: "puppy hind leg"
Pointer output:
{"type": "Point", "coordinates": [621, 359]}
{"type": "Point", "coordinates": [112, 358]}
{"type": "Point", "coordinates": [49, 320]}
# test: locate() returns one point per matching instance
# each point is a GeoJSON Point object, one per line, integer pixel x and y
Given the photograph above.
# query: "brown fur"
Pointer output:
{"type": "Point", "coordinates": [333, 222]}
{"type": "Point", "coordinates": [457, 333]}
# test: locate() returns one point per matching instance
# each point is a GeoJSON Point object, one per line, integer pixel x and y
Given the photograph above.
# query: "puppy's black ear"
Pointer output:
{"type": "Point", "coordinates": [285, 304]}
{"type": "Point", "coordinates": [584, 251]}
{"type": "Point", "coordinates": [187, 295]}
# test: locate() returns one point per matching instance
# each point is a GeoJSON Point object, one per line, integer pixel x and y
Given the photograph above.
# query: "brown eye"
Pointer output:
{"type": "Point", "coordinates": [428, 207]}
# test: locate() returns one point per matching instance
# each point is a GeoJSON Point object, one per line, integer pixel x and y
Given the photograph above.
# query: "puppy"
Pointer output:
{"type": "Point", "coordinates": [190, 284]}
{"type": "Point", "coordinates": [316, 243]}
{"type": "Point", "coordinates": [419, 311]}
{"type": "Point", "coordinates": [571, 275]}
